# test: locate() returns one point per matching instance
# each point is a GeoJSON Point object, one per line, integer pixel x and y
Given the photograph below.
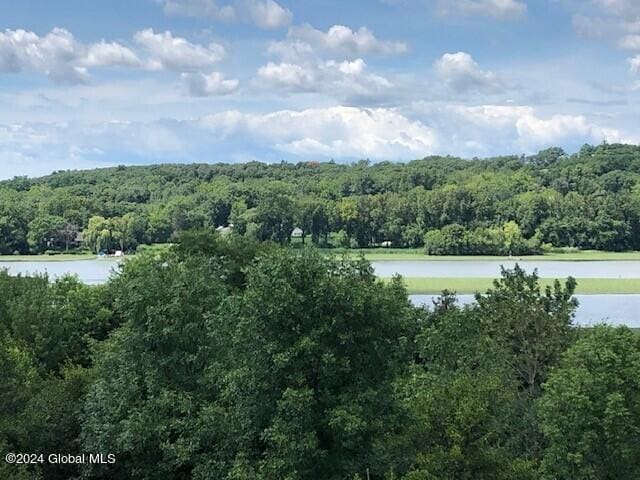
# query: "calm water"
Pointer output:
{"type": "Point", "coordinates": [612, 309]}
{"type": "Point", "coordinates": [88, 271]}
{"type": "Point", "coordinates": [491, 268]}
{"type": "Point", "coordinates": [616, 309]}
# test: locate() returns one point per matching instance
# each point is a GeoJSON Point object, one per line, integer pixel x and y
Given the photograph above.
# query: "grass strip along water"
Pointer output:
{"type": "Point", "coordinates": [586, 286]}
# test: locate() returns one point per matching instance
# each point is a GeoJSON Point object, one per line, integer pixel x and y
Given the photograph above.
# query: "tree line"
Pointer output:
{"type": "Point", "coordinates": [225, 358]}
{"type": "Point", "coordinates": [447, 205]}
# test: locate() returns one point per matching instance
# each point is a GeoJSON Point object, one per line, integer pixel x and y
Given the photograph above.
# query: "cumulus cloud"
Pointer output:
{"type": "Point", "coordinates": [329, 62]}
{"type": "Point", "coordinates": [339, 39]}
{"type": "Point", "coordinates": [203, 85]}
{"type": "Point", "coordinates": [340, 132]}
{"type": "Point", "coordinates": [56, 55]}
{"type": "Point", "coordinates": [462, 73]}
{"type": "Point", "coordinates": [345, 79]}
{"type": "Point", "coordinates": [110, 54]}
{"type": "Point", "coordinates": [630, 42]}
{"type": "Point", "coordinates": [499, 9]}
{"type": "Point", "coordinates": [615, 21]}
{"type": "Point", "coordinates": [198, 8]}
{"type": "Point", "coordinates": [63, 59]}
{"type": "Point", "coordinates": [634, 63]}
{"type": "Point", "coordinates": [167, 52]}
{"type": "Point", "coordinates": [343, 133]}
{"type": "Point", "coordinates": [619, 7]}
{"type": "Point", "coordinates": [495, 129]}
{"type": "Point", "coordinates": [266, 14]}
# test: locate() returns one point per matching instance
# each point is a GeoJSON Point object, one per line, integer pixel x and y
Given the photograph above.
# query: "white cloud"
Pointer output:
{"type": "Point", "coordinates": [461, 72]}
{"type": "Point", "coordinates": [630, 42]}
{"type": "Point", "coordinates": [339, 39]}
{"type": "Point", "coordinates": [614, 20]}
{"type": "Point", "coordinates": [344, 133]}
{"type": "Point", "coordinates": [55, 55]}
{"type": "Point", "coordinates": [340, 132]}
{"type": "Point", "coordinates": [499, 9]}
{"type": "Point", "coordinates": [198, 8]}
{"type": "Point", "coordinates": [289, 75]}
{"type": "Point", "coordinates": [205, 85]}
{"type": "Point", "coordinates": [619, 7]}
{"type": "Point", "coordinates": [60, 57]}
{"type": "Point", "coordinates": [110, 54]}
{"type": "Point", "coordinates": [167, 52]}
{"type": "Point", "coordinates": [266, 14]}
{"type": "Point", "coordinates": [329, 62]}
{"type": "Point", "coordinates": [346, 80]}
{"type": "Point", "coordinates": [634, 63]}
{"type": "Point", "coordinates": [496, 129]}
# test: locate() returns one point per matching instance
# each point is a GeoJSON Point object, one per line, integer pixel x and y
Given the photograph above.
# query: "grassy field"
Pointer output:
{"type": "Point", "coordinates": [586, 286]}
{"type": "Point", "coordinates": [390, 254]}
{"type": "Point", "coordinates": [63, 257]}
{"type": "Point", "coordinates": [381, 254]}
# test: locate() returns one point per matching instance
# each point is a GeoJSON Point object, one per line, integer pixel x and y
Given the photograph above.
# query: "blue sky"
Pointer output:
{"type": "Point", "coordinates": [91, 84]}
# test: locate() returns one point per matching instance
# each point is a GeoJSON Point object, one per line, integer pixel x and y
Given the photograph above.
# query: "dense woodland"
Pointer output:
{"type": "Point", "coordinates": [228, 359]}
{"type": "Point", "coordinates": [516, 204]}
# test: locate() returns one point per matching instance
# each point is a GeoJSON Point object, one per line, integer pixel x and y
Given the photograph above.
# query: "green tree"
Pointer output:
{"type": "Point", "coordinates": [590, 409]}
{"type": "Point", "coordinates": [98, 235]}
{"type": "Point", "coordinates": [534, 325]}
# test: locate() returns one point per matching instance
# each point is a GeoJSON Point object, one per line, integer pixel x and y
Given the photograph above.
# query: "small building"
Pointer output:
{"type": "Point", "coordinates": [118, 253]}
{"type": "Point", "coordinates": [386, 243]}
{"type": "Point", "coordinates": [222, 230]}
{"type": "Point", "coordinates": [297, 233]}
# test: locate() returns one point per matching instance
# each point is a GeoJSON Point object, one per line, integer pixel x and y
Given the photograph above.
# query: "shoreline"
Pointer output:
{"type": "Point", "coordinates": [387, 255]}
{"type": "Point", "coordinates": [471, 285]}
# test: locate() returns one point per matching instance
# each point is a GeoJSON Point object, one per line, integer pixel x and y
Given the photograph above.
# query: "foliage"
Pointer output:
{"type": "Point", "coordinates": [225, 358]}
{"type": "Point", "coordinates": [504, 205]}
{"type": "Point", "coordinates": [590, 409]}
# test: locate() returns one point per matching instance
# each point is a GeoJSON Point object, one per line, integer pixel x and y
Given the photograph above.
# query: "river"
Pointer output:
{"type": "Point", "coordinates": [491, 268]}
{"type": "Point", "coordinates": [592, 309]}
{"type": "Point", "coordinates": [616, 309]}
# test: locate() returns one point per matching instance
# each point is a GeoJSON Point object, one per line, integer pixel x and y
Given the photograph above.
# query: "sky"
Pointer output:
{"type": "Point", "coordinates": [103, 83]}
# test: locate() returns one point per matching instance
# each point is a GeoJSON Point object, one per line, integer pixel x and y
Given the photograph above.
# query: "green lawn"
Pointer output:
{"type": "Point", "coordinates": [63, 257]}
{"type": "Point", "coordinates": [379, 254]}
{"type": "Point", "coordinates": [587, 286]}
{"type": "Point", "coordinates": [389, 254]}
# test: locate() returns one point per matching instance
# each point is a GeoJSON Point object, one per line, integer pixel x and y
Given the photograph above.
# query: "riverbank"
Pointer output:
{"type": "Point", "coordinates": [586, 286]}
{"type": "Point", "coordinates": [63, 257]}
{"type": "Point", "coordinates": [415, 254]}
{"type": "Point", "coordinates": [384, 254]}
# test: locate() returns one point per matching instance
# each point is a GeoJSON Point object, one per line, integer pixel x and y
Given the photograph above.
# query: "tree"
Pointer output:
{"type": "Point", "coordinates": [275, 217]}
{"type": "Point", "coordinates": [13, 224]}
{"type": "Point", "coordinates": [98, 235]}
{"type": "Point", "coordinates": [43, 232]}
{"type": "Point", "coordinates": [316, 346]}
{"type": "Point", "coordinates": [535, 326]}
{"type": "Point", "coordinates": [155, 401]}
{"type": "Point", "coordinates": [463, 402]}
{"type": "Point", "coordinates": [590, 408]}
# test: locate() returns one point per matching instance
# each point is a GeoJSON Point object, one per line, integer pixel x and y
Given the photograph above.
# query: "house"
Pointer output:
{"type": "Point", "coordinates": [297, 233]}
{"type": "Point", "coordinates": [222, 230]}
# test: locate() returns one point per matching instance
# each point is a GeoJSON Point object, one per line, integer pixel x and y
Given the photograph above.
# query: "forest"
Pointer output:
{"type": "Point", "coordinates": [231, 359]}
{"type": "Point", "coordinates": [445, 205]}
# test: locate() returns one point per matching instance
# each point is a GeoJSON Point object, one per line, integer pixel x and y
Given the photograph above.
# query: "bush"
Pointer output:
{"type": "Point", "coordinates": [455, 239]}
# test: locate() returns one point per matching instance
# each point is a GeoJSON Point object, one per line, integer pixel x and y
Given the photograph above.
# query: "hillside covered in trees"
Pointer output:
{"type": "Point", "coordinates": [514, 204]}
{"type": "Point", "coordinates": [226, 359]}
